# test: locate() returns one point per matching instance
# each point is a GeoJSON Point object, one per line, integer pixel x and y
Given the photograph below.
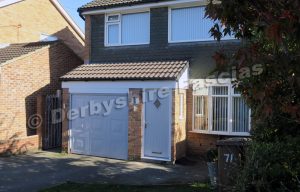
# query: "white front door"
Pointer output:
{"type": "Point", "coordinates": [157, 129]}
{"type": "Point", "coordinates": [98, 130]}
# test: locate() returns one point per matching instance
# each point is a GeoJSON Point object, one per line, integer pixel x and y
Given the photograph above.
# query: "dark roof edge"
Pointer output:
{"type": "Point", "coordinates": [120, 79]}
{"type": "Point", "coordinates": [80, 10]}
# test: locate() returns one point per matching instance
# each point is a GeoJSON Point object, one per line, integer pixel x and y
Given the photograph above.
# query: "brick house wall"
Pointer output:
{"type": "Point", "coordinates": [35, 17]}
{"type": "Point", "coordinates": [22, 80]}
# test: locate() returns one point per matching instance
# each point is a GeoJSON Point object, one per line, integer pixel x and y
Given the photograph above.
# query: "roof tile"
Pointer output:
{"type": "Point", "coordinates": [103, 4]}
{"type": "Point", "coordinates": [17, 50]}
{"type": "Point", "coordinates": [148, 70]}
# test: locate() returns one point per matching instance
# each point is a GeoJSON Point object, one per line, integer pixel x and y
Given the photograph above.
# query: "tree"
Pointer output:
{"type": "Point", "coordinates": [270, 34]}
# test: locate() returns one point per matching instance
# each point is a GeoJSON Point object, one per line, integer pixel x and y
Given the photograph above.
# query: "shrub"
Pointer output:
{"type": "Point", "coordinates": [271, 166]}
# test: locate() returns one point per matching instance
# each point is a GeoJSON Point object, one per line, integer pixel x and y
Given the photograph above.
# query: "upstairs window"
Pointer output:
{"type": "Point", "coordinates": [189, 24]}
{"type": "Point", "coordinates": [127, 29]}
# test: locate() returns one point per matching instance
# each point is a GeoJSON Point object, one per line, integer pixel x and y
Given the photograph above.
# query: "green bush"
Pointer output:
{"type": "Point", "coordinates": [271, 166]}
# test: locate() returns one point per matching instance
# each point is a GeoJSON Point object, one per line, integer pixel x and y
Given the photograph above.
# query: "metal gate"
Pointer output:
{"type": "Point", "coordinates": [52, 133]}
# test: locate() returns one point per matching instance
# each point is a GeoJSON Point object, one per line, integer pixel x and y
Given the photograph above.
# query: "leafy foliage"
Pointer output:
{"type": "Point", "coordinates": [270, 34]}
{"type": "Point", "coordinates": [268, 168]}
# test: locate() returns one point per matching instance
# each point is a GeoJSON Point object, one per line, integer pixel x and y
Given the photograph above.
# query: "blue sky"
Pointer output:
{"type": "Point", "coordinates": [71, 7]}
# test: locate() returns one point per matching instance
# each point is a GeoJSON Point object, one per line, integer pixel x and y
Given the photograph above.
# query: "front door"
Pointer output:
{"type": "Point", "coordinates": [157, 129]}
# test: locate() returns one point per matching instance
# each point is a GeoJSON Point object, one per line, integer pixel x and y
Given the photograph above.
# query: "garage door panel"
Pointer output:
{"type": "Point", "coordinates": [99, 134]}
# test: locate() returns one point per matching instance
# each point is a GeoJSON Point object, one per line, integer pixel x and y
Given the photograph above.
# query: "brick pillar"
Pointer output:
{"type": "Point", "coordinates": [87, 49]}
{"type": "Point", "coordinates": [135, 124]}
{"type": "Point", "coordinates": [65, 123]}
{"type": "Point", "coordinates": [41, 113]}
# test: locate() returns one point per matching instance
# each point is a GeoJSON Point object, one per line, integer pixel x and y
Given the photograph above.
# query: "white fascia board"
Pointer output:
{"type": "Point", "coordinates": [114, 86]}
{"type": "Point", "coordinates": [8, 2]}
{"type": "Point", "coordinates": [183, 82]}
{"type": "Point", "coordinates": [147, 6]}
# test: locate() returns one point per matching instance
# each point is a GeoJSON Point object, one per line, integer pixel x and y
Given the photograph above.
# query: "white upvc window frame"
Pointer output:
{"type": "Point", "coordinates": [108, 23]}
{"type": "Point", "coordinates": [188, 41]}
{"type": "Point", "coordinates": [230, 95]}
{"type": "Point", "coordinates": [119, 22]}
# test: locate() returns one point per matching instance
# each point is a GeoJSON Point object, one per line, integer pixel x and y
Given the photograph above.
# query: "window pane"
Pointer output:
{"type": "Point", "coordinates": [113, 18]}
{"type": "Point", "coordinates": [220, 90]}
{"type": "Point", "coordinates": [113, 34]}
{"type": "Point", "coordinates": [219, 113]}
{"type": "Point", "coordinates": [189, 24]}
{"type": "Point", "coordinates": [136, 28]}
{"type": "Point", "coordinates": [240, 115]}
{"type": "Point", "coordinates": [201, 112]}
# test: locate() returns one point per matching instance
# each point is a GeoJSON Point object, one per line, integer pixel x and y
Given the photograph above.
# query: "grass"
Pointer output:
{"type": "Point", "coordinates": [76, 187]}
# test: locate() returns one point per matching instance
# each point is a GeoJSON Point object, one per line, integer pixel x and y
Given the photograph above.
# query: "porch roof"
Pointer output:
{"type": "Point", "coordinates": [147, 70]}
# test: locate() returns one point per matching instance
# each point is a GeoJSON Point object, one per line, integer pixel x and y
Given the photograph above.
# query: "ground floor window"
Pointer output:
{"type": "Point", "coordinates": [220, 109]}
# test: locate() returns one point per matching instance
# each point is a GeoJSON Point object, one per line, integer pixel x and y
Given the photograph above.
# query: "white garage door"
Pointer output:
{"type": "Point", "coordinates": [99, 125]}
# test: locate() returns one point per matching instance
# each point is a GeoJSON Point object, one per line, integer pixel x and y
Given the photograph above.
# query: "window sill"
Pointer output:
{"type": "Point", "coordinates": [221, 133]}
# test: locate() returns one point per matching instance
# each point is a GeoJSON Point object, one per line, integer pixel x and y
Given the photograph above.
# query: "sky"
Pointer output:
{"type": "Point", "coordinates": [71, 7]}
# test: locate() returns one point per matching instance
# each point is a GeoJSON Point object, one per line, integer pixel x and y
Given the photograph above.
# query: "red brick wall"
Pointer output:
{"type": "Point", "coordinates": [135, 125]}
{"type": "Point", "coordinates": [178, 126]}
{"type": "Point", "coordinates": [24, 79]}
{"type": "Point", "coordinates": [19, 145]}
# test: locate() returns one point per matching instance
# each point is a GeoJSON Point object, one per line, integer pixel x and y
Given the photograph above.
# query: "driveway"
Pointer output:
{"type": "Point", "coordinates": [39, 170]}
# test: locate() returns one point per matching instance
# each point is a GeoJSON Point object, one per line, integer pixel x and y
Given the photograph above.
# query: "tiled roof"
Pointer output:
{"type": "Point", "coordinates": [103, 4]}
{"type": "Point", "coordinates": [155, 70]}
{"type": "Point", "coordinates": [17, 50]}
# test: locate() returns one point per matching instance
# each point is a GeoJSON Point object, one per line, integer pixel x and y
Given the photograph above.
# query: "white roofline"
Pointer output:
{"type": "Point", "coordinates": [68, 18]}
{"type": "Point", "coordinates": [142, 6]}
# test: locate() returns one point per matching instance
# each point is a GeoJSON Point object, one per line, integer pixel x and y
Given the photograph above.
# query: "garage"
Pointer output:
{"type": "Point", "coordinates": [99, 125]}
{"type": "Point", "coordinates": [128, 111]}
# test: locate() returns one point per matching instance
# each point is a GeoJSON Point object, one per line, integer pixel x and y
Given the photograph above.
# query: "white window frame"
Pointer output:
{"type": "Point", "coordinates": [119, 22]}
{"type": "Point", "coordinates": [230, 95]}
{"type": "Point", "coordinates": [187, 41]}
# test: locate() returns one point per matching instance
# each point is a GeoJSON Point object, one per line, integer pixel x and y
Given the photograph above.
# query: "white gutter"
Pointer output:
{"type": "Point", "coordinates": [146, 6]}
{"type": "Point", "coordinates": [68, 18]}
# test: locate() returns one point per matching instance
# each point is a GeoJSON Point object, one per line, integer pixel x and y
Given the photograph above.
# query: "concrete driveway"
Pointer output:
{"type": "Point", "coordinates": [39, 170]}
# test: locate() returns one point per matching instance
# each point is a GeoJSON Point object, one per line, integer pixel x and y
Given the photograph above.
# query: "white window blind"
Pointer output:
{"type": "Point", "coordinates": [128, 29]}
{"type": "Point", "coordinates": [136, 28]}
{"type": "Point", "coordinates": [189, 24]}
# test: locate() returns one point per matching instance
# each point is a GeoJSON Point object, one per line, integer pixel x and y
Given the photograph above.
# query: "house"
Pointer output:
{"type": "Point", "coordinates": [38, 20]}
{"type": "Point", "coordinates": [147, 92]}
{"type": "Point", "coordinates": [26, 71]}
{"type": "Point", "coordinates": [39, 43]}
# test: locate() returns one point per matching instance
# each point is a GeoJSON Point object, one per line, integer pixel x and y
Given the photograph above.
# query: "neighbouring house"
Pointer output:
{"type": "Point", "coordinates": [39, 42]}
{"type": "Point", "coordinates": [24, 21]}
{"type": "Point", "coordinates": [26, 71]}
{"type": "Point", "coordinates": [147, 91]}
